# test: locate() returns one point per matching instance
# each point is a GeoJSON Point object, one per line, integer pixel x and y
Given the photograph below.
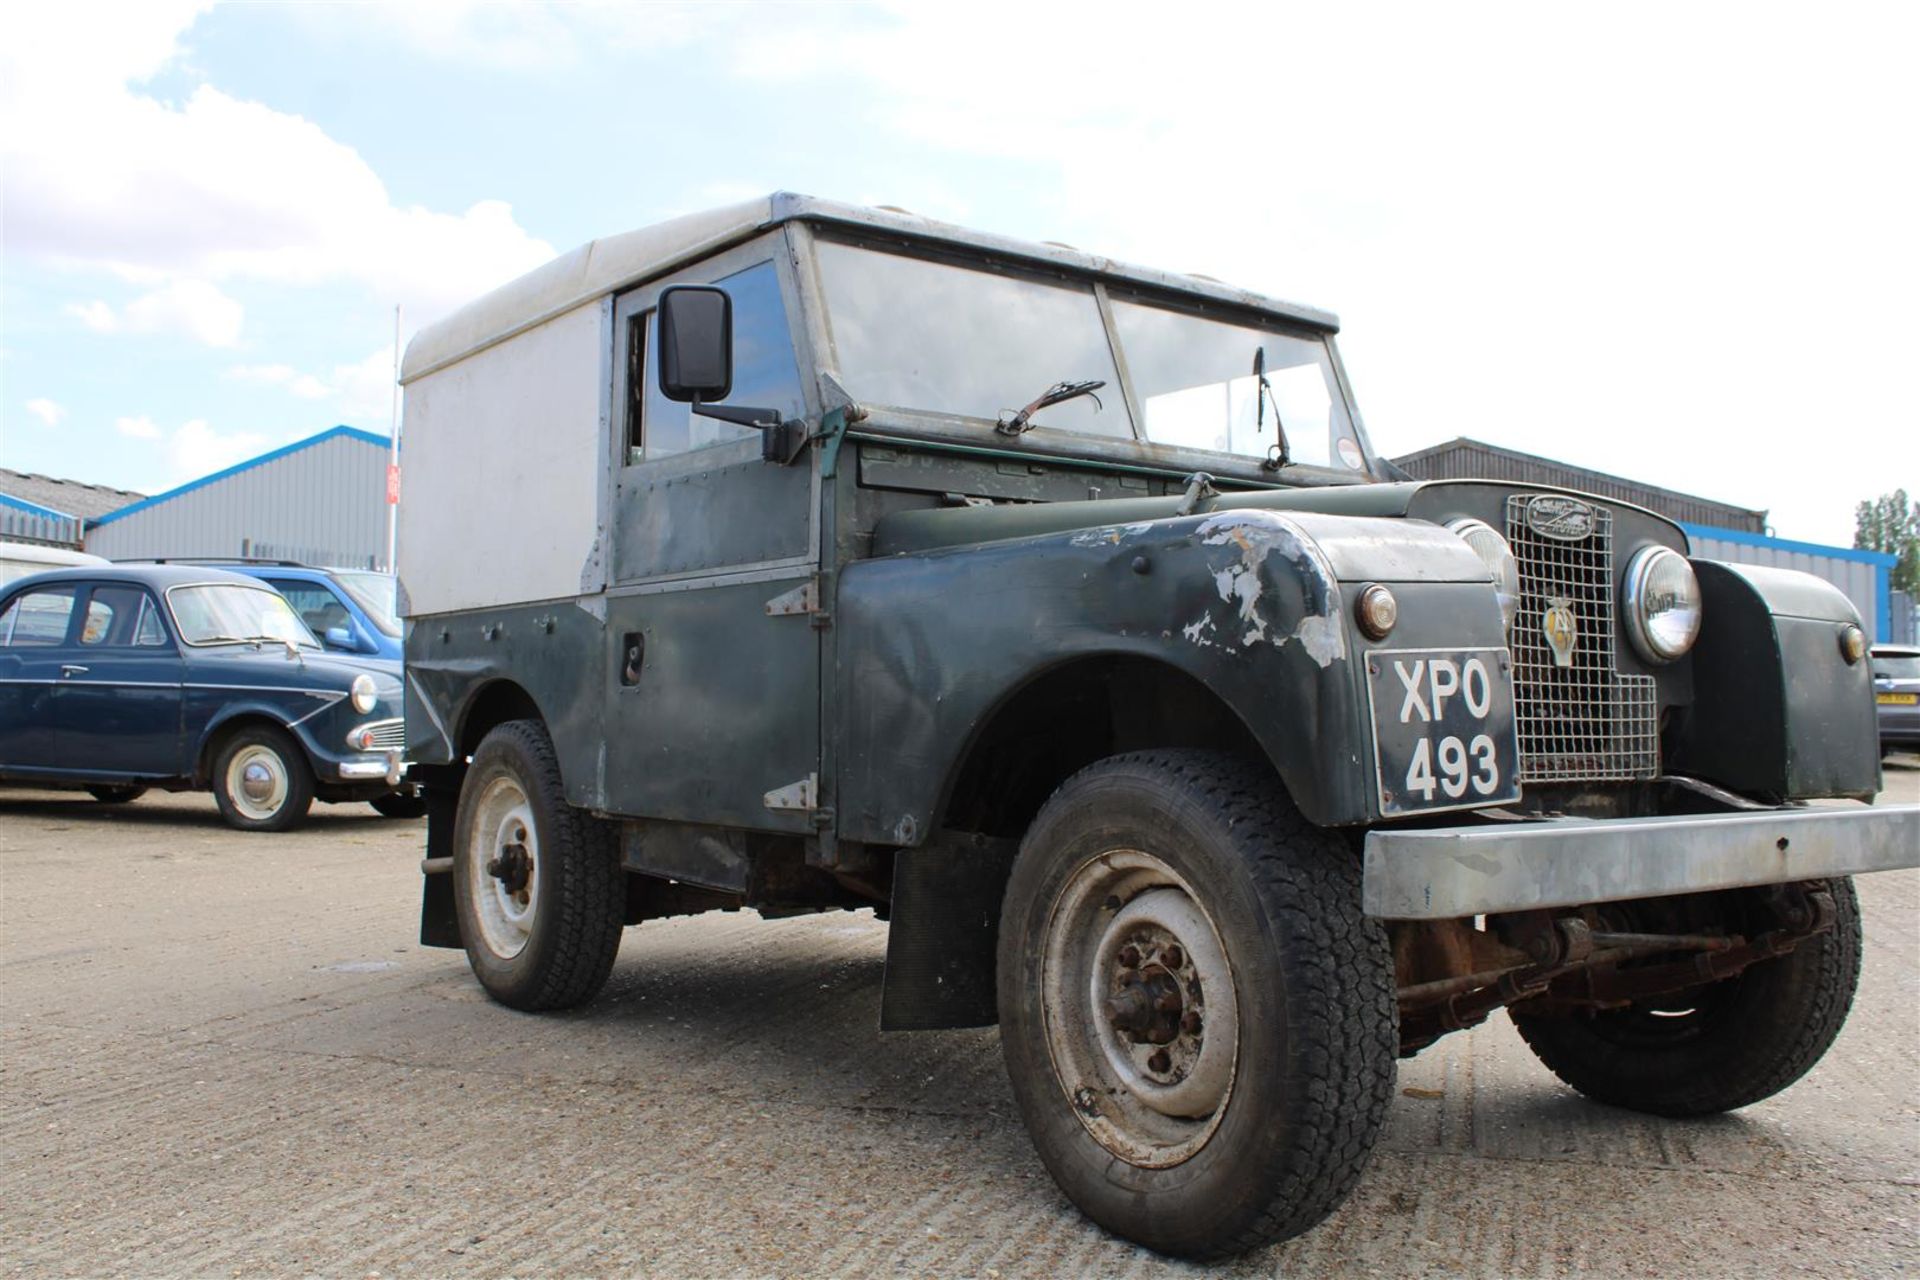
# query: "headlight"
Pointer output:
{"type": "Point", "coordinates": [1662, 604]}
{"type": "Point", "coordinates": [1494, 552]}
{"type": "Point", "coordinates": [364, 694]}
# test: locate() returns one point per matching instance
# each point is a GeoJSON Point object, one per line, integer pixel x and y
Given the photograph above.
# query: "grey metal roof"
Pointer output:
{"type": "Point", "coordinates": [615, 262]}
{"type": "Point", "coordinates": [1467, 459]}
{"type": "Point", "coordinates": [68, 497]}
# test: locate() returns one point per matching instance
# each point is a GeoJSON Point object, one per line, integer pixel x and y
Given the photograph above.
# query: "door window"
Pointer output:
{"type": "Point", "coordinates": [317, 606]}
{"type": "Point", "coordinates": [765, 372]}
{"type": "Point", "coordinates": [122, 617]}
{"type": "Point", "coordinates": [37, 618]}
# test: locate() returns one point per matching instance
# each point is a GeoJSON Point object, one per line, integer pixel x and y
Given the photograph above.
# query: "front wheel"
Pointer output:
{"type": "Point", "coordinates": [1198, 1019]}
{"type": "Point", "coordinates": [261, 780]}
{"type": "Point", "coordinates": [1720, 1046]}
{"type": "Point", "coordinates": [537, 885]}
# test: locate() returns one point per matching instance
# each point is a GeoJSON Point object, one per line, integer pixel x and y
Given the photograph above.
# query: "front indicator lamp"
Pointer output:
{"type": "Point", "coordinates": [1853, 644]}
{"type": "Point", "coordinates": [1376, 611]}
{"type": "Point", "coordinates": [1662, 598]}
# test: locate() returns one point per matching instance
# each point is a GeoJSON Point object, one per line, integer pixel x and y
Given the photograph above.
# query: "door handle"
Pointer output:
{"type": "Point", "coordinates": [72, 669]}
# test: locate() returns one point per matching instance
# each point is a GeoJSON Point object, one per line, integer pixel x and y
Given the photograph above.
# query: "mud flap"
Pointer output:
{"type": "Point", "coordinates": [943, 928]}
{"type": "Point", "coordinates": [439, 927]}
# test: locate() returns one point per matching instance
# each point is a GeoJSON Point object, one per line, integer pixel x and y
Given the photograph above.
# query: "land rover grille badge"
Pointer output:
{"type": "Point", "coordinates": [1562, 631]}
{"type": "Point", "coordinates": [1563, 519]}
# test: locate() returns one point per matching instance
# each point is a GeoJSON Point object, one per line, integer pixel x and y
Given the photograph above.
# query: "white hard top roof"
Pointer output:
{"type": "Point", "coordinates": [616, 262]}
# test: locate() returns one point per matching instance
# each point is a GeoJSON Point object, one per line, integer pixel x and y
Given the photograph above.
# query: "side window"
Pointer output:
{"type": "Point", "coordinates": [317, 606]}
{"type": "Point", "coordinates": [765, 374]}
{"type": "Point", "coordinates": [121, 616]}
{"type": "Point", "coordinates": [38, 618]}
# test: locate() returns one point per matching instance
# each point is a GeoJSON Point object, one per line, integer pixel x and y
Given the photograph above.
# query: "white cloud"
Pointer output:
{"type": "Point", "coordinates": [303, 385]}
{"type": "Point", "coordinates": [193, 308]}
{"type": "Point", "coordinates": [47, 411]}
{"type": "Point", "coordinates": [97, 316]}
{"type": "Point", "coordinates": [213, 188]}
{"type": "Point", "coordinates": [195, 449]}
{"type": "Point", "coordinates": [362, 392]}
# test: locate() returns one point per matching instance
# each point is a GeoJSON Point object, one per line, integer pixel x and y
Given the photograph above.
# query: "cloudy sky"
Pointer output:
{"type": "Point", "coordinates": [1672, 241]}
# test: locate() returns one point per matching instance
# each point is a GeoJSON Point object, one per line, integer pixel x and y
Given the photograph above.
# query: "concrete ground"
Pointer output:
{"type": "Point", "coordinates": [223, 1054]}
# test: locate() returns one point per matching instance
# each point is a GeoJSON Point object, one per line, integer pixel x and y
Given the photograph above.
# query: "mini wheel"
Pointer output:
{"type": "Point", "coordinates": [261, 780]}
{"type": "Point", "coordinates": [538, 888]}
{"type": "Point", "coordinates": [1198, 1019]}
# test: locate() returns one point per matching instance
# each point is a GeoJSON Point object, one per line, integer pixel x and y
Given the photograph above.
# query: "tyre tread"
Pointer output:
{"type": "Point", "coordinates": [1344, 1017]}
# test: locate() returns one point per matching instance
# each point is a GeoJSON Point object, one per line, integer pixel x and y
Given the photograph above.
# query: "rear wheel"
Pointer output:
{"type": "Point", "coordinates": [261, 780]}
{"type": "Point", "coordinates": [1716, 1047]}
{"type": "Point", "coordinates": [1198, 1020]}
{"type": "Point", "coordinates": [537, 884]}
{"type": "Point", "coordinates": [116, 795]}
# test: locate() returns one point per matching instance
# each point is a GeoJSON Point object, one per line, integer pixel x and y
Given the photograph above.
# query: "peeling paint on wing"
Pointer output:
{"type": "Point", "coordinates": [1258, 535]}
{"type": "Point", "coordinates": [1322, 636]}
{"type": "Point", "coordinates": [1110, 535]}
{"type": "Point", "coordinates": [1196, 631]}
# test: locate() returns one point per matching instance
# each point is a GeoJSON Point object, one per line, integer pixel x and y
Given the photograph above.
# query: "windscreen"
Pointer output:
{"type": "Point", "coordinates": [951, 337]}
{"type": "Point", "coordinates": [373, 592]}
{"type": "Point", "coordinates": [217, 613]}
{"type": "Point", "coordinates": [926, 335]}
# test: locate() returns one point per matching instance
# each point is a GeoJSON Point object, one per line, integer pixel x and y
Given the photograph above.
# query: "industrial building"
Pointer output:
{"type": "Point", "coordinates": [49, 512]}
{"type": "Point", "coordinates": [322, 500]}
{"type": "Point", "coordinates": [1716, 530]}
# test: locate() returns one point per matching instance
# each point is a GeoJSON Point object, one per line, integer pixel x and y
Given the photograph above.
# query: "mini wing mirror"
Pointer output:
{"type": "Point", "coordinates": [696, 343]}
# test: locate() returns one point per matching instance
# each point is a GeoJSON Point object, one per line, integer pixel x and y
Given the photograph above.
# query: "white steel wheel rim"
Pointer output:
{"type": "Point", "coordinates": [503, 867]}
{"type": "Point", "coordinates": [1141, 1018]}
{"type": "Point", "coordinates": [257, 782]}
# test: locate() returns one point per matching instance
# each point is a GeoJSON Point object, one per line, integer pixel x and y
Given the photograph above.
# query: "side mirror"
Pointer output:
{"type": "Point", "coordinates": [696, 343]}
{"type": "Point", "coordinates": [340, 638]}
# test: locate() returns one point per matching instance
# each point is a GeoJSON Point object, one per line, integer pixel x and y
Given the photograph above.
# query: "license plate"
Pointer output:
{"type": "Point", "coordinates": [1443, 735]}
{"type": "Point", "coordinates": [1897, 699]}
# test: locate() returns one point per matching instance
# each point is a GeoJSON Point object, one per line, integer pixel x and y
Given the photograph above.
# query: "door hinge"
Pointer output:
{"type": "Point", "coordinates": [798, 797]}
{"type": "Point", "coordinates": [803, 600]}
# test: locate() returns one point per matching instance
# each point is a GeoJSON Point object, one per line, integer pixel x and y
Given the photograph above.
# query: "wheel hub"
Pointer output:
{"type": "Point", "coordinates": [1142, 1019]}
{"type": "Point", "coordinates": [257, 781]}
{"type": "Point", "coordinates": [511, 867]}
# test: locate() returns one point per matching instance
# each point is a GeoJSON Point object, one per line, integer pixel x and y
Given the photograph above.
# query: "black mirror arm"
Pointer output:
{"type": "Point", "coordinates": [780, 440]}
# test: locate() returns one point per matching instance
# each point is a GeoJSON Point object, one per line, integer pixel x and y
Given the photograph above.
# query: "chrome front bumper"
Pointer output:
{"type": "Point", "coordinates": [1442, 873]}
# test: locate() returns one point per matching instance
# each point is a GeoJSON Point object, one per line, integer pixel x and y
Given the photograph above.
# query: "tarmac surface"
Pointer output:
{"type": "Point", "coordinates": [223, 1054]}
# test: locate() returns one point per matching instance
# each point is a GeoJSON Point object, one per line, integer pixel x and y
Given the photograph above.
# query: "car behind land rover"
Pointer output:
{"type": "Point", "coordinates": [803, 557]}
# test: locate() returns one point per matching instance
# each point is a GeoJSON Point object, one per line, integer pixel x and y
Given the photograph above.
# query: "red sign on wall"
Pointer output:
{"type": "Point", "coordinates": [393, 484]}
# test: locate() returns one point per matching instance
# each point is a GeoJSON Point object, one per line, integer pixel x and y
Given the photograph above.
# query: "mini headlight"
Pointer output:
{"type": "Point", "coordinates": [1497, 555]}
{"type": "Point", "coordinates": [364, 694]}
{"type": "Point", "coordinates": [1662, 604]}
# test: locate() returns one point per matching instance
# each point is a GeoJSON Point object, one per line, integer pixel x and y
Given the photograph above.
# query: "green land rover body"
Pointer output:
{"type": "Point", "coordinates": [797, 557]}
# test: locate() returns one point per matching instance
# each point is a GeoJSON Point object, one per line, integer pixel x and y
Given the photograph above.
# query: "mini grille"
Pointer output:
{"type": "Point", "coordinates": [1583, 721]}
{"type": "Point", "coordinates": [388, 735]}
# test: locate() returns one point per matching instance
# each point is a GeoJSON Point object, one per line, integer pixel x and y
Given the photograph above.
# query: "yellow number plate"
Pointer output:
{"type": "Point", "coordinates": [1897, 699]}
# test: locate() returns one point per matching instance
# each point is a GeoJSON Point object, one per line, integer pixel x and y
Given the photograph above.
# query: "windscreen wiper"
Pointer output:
{"type": "Point", "coordinates": [1022, 422]}
{"type": "Point", "coordinates": [1278, 456]}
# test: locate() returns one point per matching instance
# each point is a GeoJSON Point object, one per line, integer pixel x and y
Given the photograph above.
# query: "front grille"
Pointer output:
{"type": "Point", "coordinates": [1583, 721]}
{"type": "Point", "coordinates": [388, 735]}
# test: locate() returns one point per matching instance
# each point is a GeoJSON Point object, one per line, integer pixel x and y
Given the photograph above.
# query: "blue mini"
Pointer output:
{"type": "Point", "coordinates": [117, 678]}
